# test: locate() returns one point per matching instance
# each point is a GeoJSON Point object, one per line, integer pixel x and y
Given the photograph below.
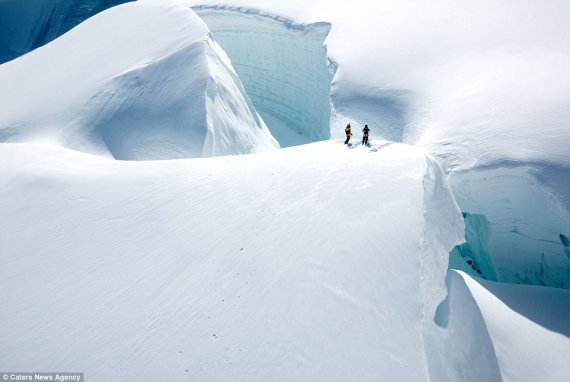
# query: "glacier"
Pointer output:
{"type": "Point", "coordinates": [146, 81]}
{"type": "Point", "coordinates": [236, 267]}
{"type": "Point", "coordinates": [517, 226]}
{"type": "Point", "coordinates": [27, 25]}
{"type": "Point", "coordinates": [447, 84]}
{"type": "Point", "coordinates": [315, 262]}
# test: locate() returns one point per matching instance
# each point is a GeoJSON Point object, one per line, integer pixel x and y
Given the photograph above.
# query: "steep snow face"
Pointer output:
{"type": "Point", "coordinates": [502, 332]}
{"type": "Point", "coordinates": [273, 267]}
{"type": "Point", "coordinates": [27, 25]}
{"type": "Point", "coordinates": [283, 66]}
{"type": "Point", "coordinates": [145, 81]}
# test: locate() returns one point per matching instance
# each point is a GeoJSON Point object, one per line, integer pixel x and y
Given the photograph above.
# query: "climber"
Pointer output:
{"type": "Point", "coordinates": [348, 134]}
{"type": "Point", "coordinates": [366, 130]}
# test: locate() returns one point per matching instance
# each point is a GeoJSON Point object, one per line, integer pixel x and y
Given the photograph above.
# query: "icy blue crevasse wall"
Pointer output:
{"type": "Point", "coordinates": [283, 67]}
{"type": "Point", "coordinates": [516, 230]}
{"type": "Point", "coordinates": [28, 24]}
{"type": "Point", "coordinates": [472, 256]}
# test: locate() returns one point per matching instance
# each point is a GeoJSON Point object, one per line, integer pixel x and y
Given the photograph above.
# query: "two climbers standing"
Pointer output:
{"type": "Point", "coordinates": [365, 133]}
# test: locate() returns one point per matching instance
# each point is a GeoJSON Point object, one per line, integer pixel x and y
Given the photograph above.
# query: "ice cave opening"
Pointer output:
{"type": "Point", "coordinates": [283, 66]}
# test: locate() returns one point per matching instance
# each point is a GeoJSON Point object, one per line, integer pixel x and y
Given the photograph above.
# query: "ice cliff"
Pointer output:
{"type": "Point", "coordinates": [283, 66]}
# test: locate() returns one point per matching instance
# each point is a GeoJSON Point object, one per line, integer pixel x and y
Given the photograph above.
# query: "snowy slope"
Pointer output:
{"type": "Point", "coordinates": [311, 263]}
{"type": "Point", "coordinates": [482, 80]}
{"type": "Point", "coordinates": [27, 25]}
{"type": "Point", "coordinates": [142, 80]}
{"type": "Point", "coordinates": [517, 332]}
{"type": "Point", "coordinates": [482, 85]}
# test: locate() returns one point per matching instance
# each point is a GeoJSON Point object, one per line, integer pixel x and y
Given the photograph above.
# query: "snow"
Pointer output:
{"type": "Point", "coordinates": [274, 266]}
{"type": "Point", "coordinates": [316, 262]}
{"type": "Point", "coordinates": [146, 81]}
{"type": "Point", "coordinates": [464, 76]}
{"type": "Point", "coordinates": [483, 86]}
{"type": "Point", "coordinates": [525, 327]}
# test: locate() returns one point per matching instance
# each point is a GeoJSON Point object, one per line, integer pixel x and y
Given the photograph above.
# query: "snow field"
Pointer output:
{"type": "Point", "coordinates": [300, 264]}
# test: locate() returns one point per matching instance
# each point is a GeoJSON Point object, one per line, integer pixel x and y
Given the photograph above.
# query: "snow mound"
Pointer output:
{"type": "Point", "coordinates": [27, 25]}
{"type": "Point", "coordinates": [274, 266]}
{"type": "Point", "coordinates": [145, 81]}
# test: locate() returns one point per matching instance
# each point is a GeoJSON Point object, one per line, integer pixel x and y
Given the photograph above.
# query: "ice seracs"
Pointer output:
{"type": "Point", "coordinates": [143, 80]}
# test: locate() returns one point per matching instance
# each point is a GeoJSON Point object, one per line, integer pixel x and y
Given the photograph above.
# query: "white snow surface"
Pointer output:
{"type": "Point", "coordinates": [273, 266]}
{"type": "Point", "coordinates": [504, 332]}
{"type": "Point", "coordinates": [482, 85]}
{"type": "Point", "coordinates": [479, 81]}
{"type": "Point", "coordinates": [142, 80]}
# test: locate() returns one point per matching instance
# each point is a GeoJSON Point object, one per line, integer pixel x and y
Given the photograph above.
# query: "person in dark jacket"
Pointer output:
{"type": "Point", "coordinates": [348, 134]}
{"type": "Point", "coordinates": [365, 131]}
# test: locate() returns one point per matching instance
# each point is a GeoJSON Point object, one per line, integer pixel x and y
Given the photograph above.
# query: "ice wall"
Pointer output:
{"type": "Point", "coordinates": [473, 256]}
{"type": "Point", "coordinates": [29, 24]}
{"type": "Point", "coordinates": [515, 227]}
{"type": "Point", "coordinates": [283, 67]}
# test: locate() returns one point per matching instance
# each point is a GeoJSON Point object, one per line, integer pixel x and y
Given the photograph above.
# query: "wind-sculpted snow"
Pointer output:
{"type": "Point", "coordinates": [142, 80]}
{"type": "Point", "coordinates": [28, 24]}
{"type": "Point", "coordinates": [283, 67]}
{"type": "Point", "coordinates": [267, 267]}
{"type": "Point", "coordinates": [503, 332]}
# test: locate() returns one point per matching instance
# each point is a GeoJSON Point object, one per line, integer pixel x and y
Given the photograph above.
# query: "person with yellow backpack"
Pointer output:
{"type": "Point", "coordinates": [348, 134]}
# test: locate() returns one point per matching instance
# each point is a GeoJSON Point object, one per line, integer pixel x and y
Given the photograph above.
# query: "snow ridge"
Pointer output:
{"type": "Point", "coordinates": [146, 82]}
{"type": "Point", "coordinates": [444, 229]}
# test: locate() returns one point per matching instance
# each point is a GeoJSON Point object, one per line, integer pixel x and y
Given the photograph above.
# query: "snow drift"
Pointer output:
{"type": "Point", "coordinates": [145, 81]}
{"type": "Point", "coordinates": [501, 332]}
{"type": "Point", "coordinates": [273, 266]}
